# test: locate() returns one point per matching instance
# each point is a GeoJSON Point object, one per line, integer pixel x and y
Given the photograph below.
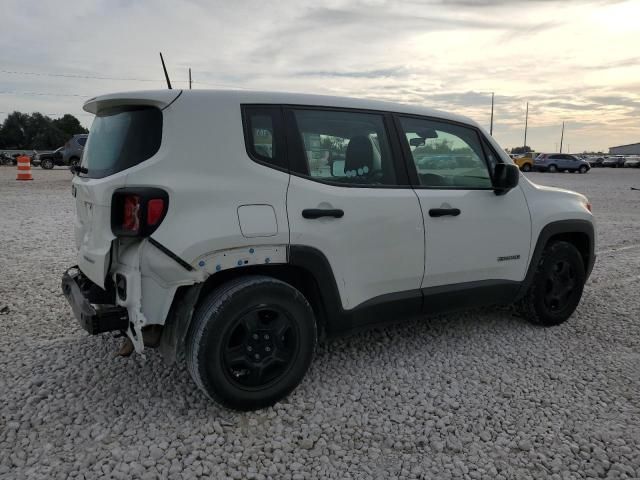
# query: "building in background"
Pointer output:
{"type": "Point", "coordinates": [631, 149]}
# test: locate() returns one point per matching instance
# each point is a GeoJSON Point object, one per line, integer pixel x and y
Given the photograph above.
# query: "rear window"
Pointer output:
{"type": "Point", "coordinates": [121, 138]}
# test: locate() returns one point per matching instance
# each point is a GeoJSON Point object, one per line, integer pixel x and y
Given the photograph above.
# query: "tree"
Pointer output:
{"type": "Point", "coordinates": [13, 130]}
{"type": "Point", "coordinates": [525, 149]}
{"type": "Point", "coordinates": [37, 131]}
{"type": "Point", "coordinates": [69, 125]}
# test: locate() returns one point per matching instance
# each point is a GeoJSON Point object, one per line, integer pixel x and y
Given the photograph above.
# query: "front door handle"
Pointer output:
{"type": "Point", "coordinates": [322, 212]}
{"type": "Point", "coordinates": [441, 212]}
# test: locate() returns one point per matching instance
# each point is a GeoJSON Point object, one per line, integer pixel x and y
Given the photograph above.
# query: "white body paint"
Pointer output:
{"type": "Point", "coordinates": [227, 211]}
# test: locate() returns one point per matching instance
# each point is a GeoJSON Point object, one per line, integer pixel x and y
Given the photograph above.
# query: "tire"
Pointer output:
{"type": "Point", "coordinates": [74, 161]}
{"type": "Point", "coordinates": [583, 169]}
{"type": "Point", "coordinates": [46, 164]}
{"type": "Point", "coordinates": [553, 168]}
{"type": "Point", "coordinates": [252, 316]}
{"type": "Point", "coordinates": [526, 167]}
{"type": "Point", "coordinates": [557, 286]}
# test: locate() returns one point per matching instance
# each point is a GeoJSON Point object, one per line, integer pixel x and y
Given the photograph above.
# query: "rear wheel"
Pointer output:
{"type": "Point", "coordinates": [47, 164]}
{"type": "Point", "coordinates": [526, 167]}
{"type": "Point", "coordinates": [74, 162]}
{"type": "Point", "coordinates": [553, 168]}
{"type": "Point", "coordinates": [251, 342]}
{"type": "Point", "coordinates": [557, 286]}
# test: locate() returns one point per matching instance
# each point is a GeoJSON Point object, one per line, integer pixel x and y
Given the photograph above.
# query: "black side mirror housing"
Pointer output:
{"type": "Point", "coordinates": [505, 177]}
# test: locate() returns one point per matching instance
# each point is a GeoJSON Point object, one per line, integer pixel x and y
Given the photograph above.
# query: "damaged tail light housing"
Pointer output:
{"type": "Point", "coordinates": [138, 212]}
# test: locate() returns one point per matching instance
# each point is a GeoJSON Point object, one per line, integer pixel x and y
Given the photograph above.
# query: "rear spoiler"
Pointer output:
{"type": "Point", "coordinates": [152, 98]}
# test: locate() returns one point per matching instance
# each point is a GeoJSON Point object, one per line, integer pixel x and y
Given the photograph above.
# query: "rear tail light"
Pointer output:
{"type": "Point", "coordinates": [137, 212]}
{"type": "Point", "coordinates": [155, 211]}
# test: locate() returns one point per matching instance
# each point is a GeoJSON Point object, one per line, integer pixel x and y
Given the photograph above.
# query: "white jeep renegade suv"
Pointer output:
{"type": "Point", "coordinates": [231, 229]}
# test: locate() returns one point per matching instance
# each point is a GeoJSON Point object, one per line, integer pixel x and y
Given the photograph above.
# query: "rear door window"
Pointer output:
{"type": "Point", "coordinates": [342, 147]}
{"type": "Point", "coordinates": [121, 138]}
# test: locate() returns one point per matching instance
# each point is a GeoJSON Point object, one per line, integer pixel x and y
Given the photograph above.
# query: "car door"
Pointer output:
{"type": "Point", "coordinates": [472, 236]}
{"type": "Point", "coordinates": [350, 200]}
{"type": "Point", "coordinates": [569, 162]}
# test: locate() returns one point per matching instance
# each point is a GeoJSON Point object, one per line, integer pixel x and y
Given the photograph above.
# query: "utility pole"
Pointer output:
{"type": "Point", "coordinates": [526, 123]}
{"type": "Point", "coordinates": [189, 78]}
{"type": "Point", "coordinates": [491, 128]}
{"type": "Point", "coordinates": [562, 137]}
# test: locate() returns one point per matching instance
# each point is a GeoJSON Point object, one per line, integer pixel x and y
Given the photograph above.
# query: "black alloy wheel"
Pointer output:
{"type": "Point", "coordinates": [260, 347]}
{"type": "Point", "coordinates": [251, 341]}
{"type": "Point", "coordinates": [557, 285]}
{"type": "Point", "coordinates": [560, 285]}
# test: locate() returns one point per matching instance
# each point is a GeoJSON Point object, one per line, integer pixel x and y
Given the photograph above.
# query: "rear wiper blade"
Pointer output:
{"type": "Point", "coordinates": [77, 169]}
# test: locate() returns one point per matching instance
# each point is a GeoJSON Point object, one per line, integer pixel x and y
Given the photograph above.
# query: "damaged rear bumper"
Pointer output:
{"type": "Point", "coordinates": [91, 305]}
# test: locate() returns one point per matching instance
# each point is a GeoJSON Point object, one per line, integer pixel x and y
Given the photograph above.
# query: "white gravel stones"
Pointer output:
{"type": "Point", "coordinates": [475, 395]}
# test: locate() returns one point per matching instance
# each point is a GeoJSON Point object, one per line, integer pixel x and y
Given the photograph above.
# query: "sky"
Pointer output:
{"type": "Point", "coordinates": [573, 61]}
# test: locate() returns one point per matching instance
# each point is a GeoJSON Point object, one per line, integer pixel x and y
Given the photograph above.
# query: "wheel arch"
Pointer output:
{"type": "Point", "coordinates": [579, 233]}
{"type": "Point", "coordinates": [306, 271]}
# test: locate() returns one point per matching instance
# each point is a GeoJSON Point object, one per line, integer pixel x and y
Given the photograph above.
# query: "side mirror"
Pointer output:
{"type": "Point", "coordinates": [505, 177]}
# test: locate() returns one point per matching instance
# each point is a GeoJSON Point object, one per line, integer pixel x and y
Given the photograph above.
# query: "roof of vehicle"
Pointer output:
{"type": "Point", "coordinates": [163, 98]}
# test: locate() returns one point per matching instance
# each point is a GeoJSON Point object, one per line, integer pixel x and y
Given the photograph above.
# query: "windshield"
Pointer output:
{"type": "Point", "coordinates": [121, 138]}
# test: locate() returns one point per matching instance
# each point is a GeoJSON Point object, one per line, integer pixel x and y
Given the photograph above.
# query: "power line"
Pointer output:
{"type": "Point", "coordinates": [71, 75]}
{"type": "Point", "coordinates": [96, 77]}
{"type": "Point", "coordinates": [47, 94]}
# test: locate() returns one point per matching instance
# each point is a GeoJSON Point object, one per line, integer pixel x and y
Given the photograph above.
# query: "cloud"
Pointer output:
{"type": "Point", "coordinates": [444, 54]}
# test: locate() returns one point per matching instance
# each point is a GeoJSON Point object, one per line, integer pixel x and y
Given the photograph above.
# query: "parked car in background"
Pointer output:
{"type": "Point", "coordinates": [68, 155]}
{"type": "Point", "coordinates": [632, 162]}
{"type": "Point", "coordinates": [595, 162]}
{"type": "Point", "coordinates": [614, 162]}
{"type": "Point", "coordinates": [525, 161]}
{"type": "Point", "coordinates": [48, 160]}
{"type": "Point", "coordinates": [558, 162]}
{"type": "Point", "coordinates": [6, 159]}
{"type": "Point", "coordinates": [72, 153]}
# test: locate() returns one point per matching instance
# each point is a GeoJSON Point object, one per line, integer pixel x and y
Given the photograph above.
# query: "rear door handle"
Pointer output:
{"type": "Point", "coordinates": [441, 212]}
{"type": "Point", "coordinates": [322, 212]}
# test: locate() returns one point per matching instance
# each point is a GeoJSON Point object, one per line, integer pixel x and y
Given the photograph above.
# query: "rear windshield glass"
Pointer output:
{"type": "Point", "coordinates": [121, 138]}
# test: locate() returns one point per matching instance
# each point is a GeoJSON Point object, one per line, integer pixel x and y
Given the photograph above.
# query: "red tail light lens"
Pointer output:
{"type": "Point", "coordinates": [138, 211]}
{"type": "Point", "coordinates": [155, 211]}
{"type": "Point", "coordinates": [131, 214]}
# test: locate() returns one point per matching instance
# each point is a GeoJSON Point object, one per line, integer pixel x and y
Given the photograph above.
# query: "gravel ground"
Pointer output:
{"type": "Point", "coordinates": [477, 395]}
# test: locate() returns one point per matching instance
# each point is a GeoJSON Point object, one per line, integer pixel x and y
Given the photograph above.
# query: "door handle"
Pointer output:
{"type": "Point", "coordinates": [322, 212]}
{"type": "Point", "coordinates": [441, 212]}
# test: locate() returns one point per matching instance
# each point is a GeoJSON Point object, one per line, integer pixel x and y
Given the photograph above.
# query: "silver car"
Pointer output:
{"type": "Point", "coordinates": [72, 152]}
{"type": "Point", "coordinates": [632, 162]}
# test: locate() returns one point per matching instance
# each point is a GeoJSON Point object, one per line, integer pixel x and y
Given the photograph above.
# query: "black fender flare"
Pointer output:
{"type": "Point", "coordinates": [553, 229]}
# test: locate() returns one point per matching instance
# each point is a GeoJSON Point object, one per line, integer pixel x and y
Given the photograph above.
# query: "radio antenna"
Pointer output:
{"type": "Point", "coordinates": [166, 75]}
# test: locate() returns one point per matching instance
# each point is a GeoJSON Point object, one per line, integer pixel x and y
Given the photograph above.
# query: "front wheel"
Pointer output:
{"type": "Point", "coordinates": [526, 167]}
{"type": "Point", "coordinates": [251, 342]}
{"type": "Point", "coordinates": [553, 168]}
{"type": "Point", "coordinates": [557, 286]}
{"type": "Point", "coordinates": [583, 169]}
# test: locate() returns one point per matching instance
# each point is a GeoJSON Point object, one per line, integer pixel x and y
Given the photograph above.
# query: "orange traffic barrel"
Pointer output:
{"type": "Point", "coordinates": [24, 168]}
